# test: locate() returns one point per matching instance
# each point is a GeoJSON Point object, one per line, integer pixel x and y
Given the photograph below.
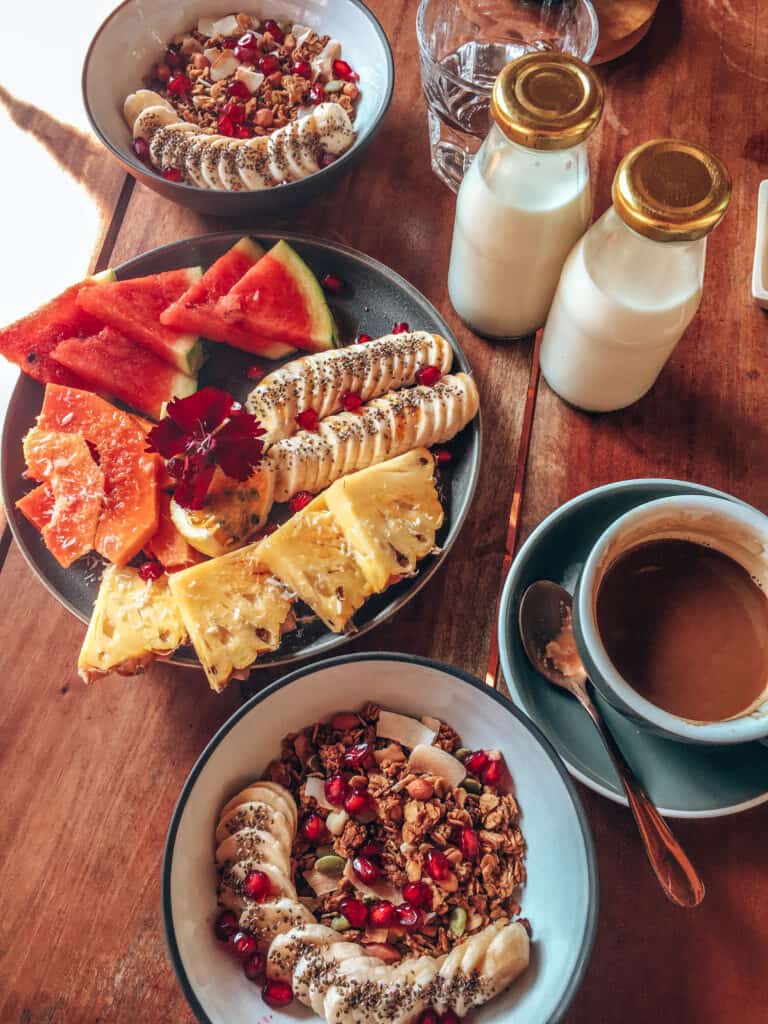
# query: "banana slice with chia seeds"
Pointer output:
{"type": "Point", "coordinates": [270, 793]}
{"type": "Point", "coordinates": [279, 167]}
{"type": "Point", "coordinates": [274, 917]}
{"type": "Point", "coordinates": [138, 101]}
{"type": "Point", "coordinates": [231, 893]}
{"type": "Point", "coordinates": [302, 158]}
{"type": "Point", "coordinates": [193, 159]}
{"type": "Point", "coordinates": [167, 146]}
{"type": "Point", "coordinates": [255, 814]}
{"type": "Point", "coordinates": [335, 133]}
{"type": "Point", "coordinates": [256, 844]}
{"type": "Point", "coordinates": [228, 170]}
{"type": "Point", "coordinates": [253, 164]}
{"type": "Point", "coordinates": [152, 119]}
{"type": "Point", "coordinates": [209, 162]}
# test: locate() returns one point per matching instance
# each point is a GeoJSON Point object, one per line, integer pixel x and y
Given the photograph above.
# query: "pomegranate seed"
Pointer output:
{"type": "Point", "coordinates": [370, 849]}
{"type": "Point", "coordinates": [234, 111]}
{"type": "Point", "coordinates": [418, 894]}
{"type": "Point", "coordinates": [243, 132]}
{"type": "Point", "coordinates": [256, 885]}
{"type": "Point", "coordinates": [408, 917]}
{"type": "Point", "coordinates": [271, 26]}
{"type": "Point", "coordinates": [469, 843]}
{"type": "Point", "coordinates": [350, 401]}
{"type": "Point", "coordinates": [179, 84]}
{"type": "Point", "coordinates": [254, 967]}
{"type": "Point", "coordinates": [226, 926]}
{"type": "Point", "coordinates": [359, 756]}
{"type": "Point", "coordinates": [141, 148]}
{"type": "Point", "coordinates": [437, 865]}
{"type": "Point", "coordinates": [343, 70]}
{"type": "Point", "coordinates": [277, 993]}
{"type": "Point", "coordinates": [365, 869]}
{"type": "Point", "coordinates": [345, 720]}
{"type": "Point", "coordinates": [401, 327]}
{"type": "Point", "coordinates": [382, 914]}
{"type": "Point", "coordinates": [243, 943]}
{"type": "Point", "coordinates": [428, 376]}
{"type": "Point", "coordinates": [300, 501]}
{"type": "Point", "coordinates": [308, 420]}
{"type": "Point", "coordinates": [225, 126]}
{"type": "Point", "coordinates": [327, 159]}
{"type": "Point", "coordinates": [428, 1017]}
{"type": "Point", "coordinates": [302, 68]}
{"type": "Point", "coordinates": [336, 790]}
{"type": "Point", "coordinates": [361, 806]}
{"type": "Point", "coordinates": [317, 93]}
{"type": "Point", "coordinates": [313, 828]}
{"type": "Point", "coordinates": [246, 49]}
{"type": "Point", "coordinates": [229, 44]}
{"type": "Point", "coordinates": [332, 283]}
{"type": "Point", "coordinates": [172, 58]}
{"type": "Point", "coordinates": [255, 372]}
{"type": "Point", "coordinates": [492, 773]}
{"type": "Point", "coordinates": [238, 89]}
{"type": "Point", "coordinates": [150, 570]}
{"type": "Point", "coordinates": [268, 64]}
{"type": "Point", "coordinates": [449, 1017]}
{"type": "Point", "coordinates": [476, 761]}
{"type": "Point", "coordinates": [355, 911]}
{"type": "Point", "coordinates": [443, 456]}
{"type": "Point", "coordinates": [172, 174]}
{"type": "Point", "coordinates": [363, 339]}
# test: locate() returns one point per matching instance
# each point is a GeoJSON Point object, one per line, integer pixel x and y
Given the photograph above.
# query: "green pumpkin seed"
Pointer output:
{"type": "Point", "coordinates": [472, 786]}
{"type": "Point", "coordinates": [334, 86]}
{"type": "Point", "coordinates": [462, 753]}
{"type": "Point", "coordinates": [324, 851]}
{"type": "Point", "coordinates": [340, 923]}
{"type": "Point", "coordinates": [331, 865]}
{"type": "Point", "coordinates": [457, 921]}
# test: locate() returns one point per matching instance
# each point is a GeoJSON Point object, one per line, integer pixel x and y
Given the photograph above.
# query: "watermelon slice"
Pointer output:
{"type": "Point", "coordinates": [129, 516]}
{"type": "Point", "coordinates": [29, 342]}
{"type": "Point", "coordinates": [168, 546]}
{"type": "Point", "coordinates": [194, 311]}
{"type": "Point", "coordinates": [114, 365]}
{"type": "Point", "coordinates": [280, 299]}
{"type": "Point", "coordinates": [134, 307]}
{"type": "Point", "coordinates": [37, 506]}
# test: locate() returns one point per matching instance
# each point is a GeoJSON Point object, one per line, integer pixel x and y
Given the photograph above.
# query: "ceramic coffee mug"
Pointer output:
{"type": "Point", "coordinates": [736, 530]}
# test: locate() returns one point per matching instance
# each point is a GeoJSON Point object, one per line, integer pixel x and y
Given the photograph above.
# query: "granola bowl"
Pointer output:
{"type": "Point", "coordinates": [543, 827]}
{"type": "Point", "coordinates": [129, 45]}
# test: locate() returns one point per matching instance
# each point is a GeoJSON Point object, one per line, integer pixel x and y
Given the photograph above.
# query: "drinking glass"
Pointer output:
{"type": "Point", "coordinates": [464, 44]}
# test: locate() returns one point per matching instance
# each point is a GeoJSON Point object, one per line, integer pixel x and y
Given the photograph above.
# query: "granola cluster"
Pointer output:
{"type": "Point", "coordinates": [413, 821]}
{"type": "Point", "coordinates": [253, 80]}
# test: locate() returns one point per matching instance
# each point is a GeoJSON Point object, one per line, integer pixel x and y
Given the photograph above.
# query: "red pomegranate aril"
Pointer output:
{"type": "Point", "coordinates": [238, 89]}
{"type": "Point", "coordinates": [469, 843]}
{"type": "Point", "coordinates": [243, 132]}
{"type": "Point", "coordinates": [428, 376]}
{"type": "Point", "coordinates": [408, 916]}
{"type": "Point", "coordinates": [491, 774]}
{"type": "Point", "coordinates": [308, 419]}
{"type": "Point", "coordinates": [277, 993]}
{"type": "Point", "coordinates": [476, 761]}
{"type": "Point", "coordinates": [428, 1017]}
{"type": "Point", "coordinates": [437, 865]}
{"type": "Point", "coordinates": [229, 44]}
{"type": "Point", "coordinates": [299, 501]}
{"type": "Point", "coordinates": [234, 111]}
{"type": "Point", "coordinates": [271, 26]}
{"type": "Point", "coordinates": [382, 915]}
{"type": "Point", "coordinates": [226, 925]}
{"type": "Point", "coordinates": [449, 1017]}
{"type": "Point", "coordinates": [317, 93]}
{"type": "Point", "coordinates": [327, 159]}
{"type": "Point", "coordinates": [443, 456]}
{"type": "Point", "coordinates": [172, 58]}
{"type": "Point", "coordinates": [150, 570]}
{"type": "Point", "coordinates": [351, 401]}
{"type": "Point", "coordinates": [401, 327]}
{"type": "Point", "coordinates": [363, 339]}
{"type": "Point", "coordinates": [355, 911]}
{"type": "Point", "coordinates": [343, 70]}
{"type": "Point", "coordinates": [254, 967]}
{"type": "Point", "coordinates": [332, 283]}
{"type": "Point", "coordinates": [243, 943]}
{"type": "Point", "coordinates": [336, 790]}
{"type": "Point", "coordinates": [141, 148]}
{"type": "Point", "coordinates": [256, 885]}
{"type": "Point", "coordinates": [418, 894]}
{"type": "Point", "coordinates": [302, 68]}
{"type": "Point", "coordinates": [358, 756]}
{"type": "Point", "coordinates": [268, 64]}
{"type": "Point", "coordinates": [246, 49]}
{"type": "Point", "coordinates": [172, 174]}
{"type": "Point", "coordinates": [370, 849]}
{"type": "Point", "coordinates": [360, 805]}
{"type": "Point", "coordinates": [178, 85]}
{"type": "Point", "coordinates": [366, 870]}
{"type": "Point", "coordinates": [313, 828]}
{"type": "Point", "coordinates": [225, 126]}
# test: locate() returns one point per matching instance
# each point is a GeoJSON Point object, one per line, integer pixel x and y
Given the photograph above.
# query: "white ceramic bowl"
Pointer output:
{"type": "Point", "coordinates": [560, 897]}
{"type": "Point", "coordinates": [135, 36]}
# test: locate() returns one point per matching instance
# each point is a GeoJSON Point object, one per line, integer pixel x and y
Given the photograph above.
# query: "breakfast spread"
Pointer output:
{"type": "Point", "coordinates": [375, 875]}
{"type": "Point", "coordinates": [241, 103]}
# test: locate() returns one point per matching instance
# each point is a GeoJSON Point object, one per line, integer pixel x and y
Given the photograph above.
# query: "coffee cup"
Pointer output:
{"type": "Point", "coordinates": [727, 610]}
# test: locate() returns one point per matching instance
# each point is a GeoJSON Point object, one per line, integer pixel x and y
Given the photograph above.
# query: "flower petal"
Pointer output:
{"type": "Point", "coordinates": [167, 439]}
{"type": "Point", "coordinates": [191, 490]}
{"type": "Point", "coordinates": [237, 446]}
{"type": "Point", "coordinates": [203, 411]}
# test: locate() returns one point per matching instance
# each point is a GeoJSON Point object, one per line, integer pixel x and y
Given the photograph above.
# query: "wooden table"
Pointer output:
{"type": "Point", "coordinates": [90, 777]}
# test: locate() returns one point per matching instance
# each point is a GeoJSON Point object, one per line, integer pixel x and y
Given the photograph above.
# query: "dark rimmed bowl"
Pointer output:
{"type": "Point", "coordinates": [560, 897]}
{"type": "Point", "coordinates": [134, 37]}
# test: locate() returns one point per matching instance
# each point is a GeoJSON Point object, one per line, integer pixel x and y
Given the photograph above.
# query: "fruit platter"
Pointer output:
{"type": "Point", "coordinates": [188, 460]}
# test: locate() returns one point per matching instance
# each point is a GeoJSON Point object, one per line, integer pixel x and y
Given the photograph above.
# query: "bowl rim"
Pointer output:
{"type": "Point", "coordinates": [140, 171]}
{"type": "Point", "coordinates": [590, 929]}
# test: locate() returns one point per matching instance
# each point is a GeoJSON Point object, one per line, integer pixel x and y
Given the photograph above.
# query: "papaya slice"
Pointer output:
{"type": "Point", "coordinates": [37, 506]}
{"type": "Point", "coordinates": [168, 546]}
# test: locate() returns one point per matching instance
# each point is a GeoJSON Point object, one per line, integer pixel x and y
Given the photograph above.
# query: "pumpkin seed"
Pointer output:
{"type": "Point", "coordinates": [324, 851]}
{"type": "Point", "coordinates": [340, 923]}
{"type": "Point", "coordinates": [457, 921]}
{"type": "Point", "coordinates": [462, 753]}
{"type": "Point", "coordinates": [334, 86]}
{"type": "Point", "coordinates": [471, 785]}
{"type": "Point", "coordinates": [331, 865]}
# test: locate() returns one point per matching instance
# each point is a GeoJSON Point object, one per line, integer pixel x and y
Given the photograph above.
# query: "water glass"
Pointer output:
{"type": "Point", "coordinates": [464, 44]}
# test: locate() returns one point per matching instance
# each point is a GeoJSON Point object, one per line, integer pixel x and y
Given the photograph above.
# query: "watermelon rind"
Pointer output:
{"type": "Point", "coordinates": [325, 333]}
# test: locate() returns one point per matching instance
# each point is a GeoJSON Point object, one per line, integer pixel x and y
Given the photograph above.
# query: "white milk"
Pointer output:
{"type": "Point", "coordinates": [621, 306]}
{"type": "Point", "coordinates": [518, 215]}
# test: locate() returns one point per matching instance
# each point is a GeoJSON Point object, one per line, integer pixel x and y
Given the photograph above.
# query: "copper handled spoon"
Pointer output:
{"type": "Point", "coordinates": [545, 619]}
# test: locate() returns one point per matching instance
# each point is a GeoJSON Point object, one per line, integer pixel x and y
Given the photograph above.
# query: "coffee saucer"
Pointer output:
{"type": "Point", "coordinates": [684, 780]}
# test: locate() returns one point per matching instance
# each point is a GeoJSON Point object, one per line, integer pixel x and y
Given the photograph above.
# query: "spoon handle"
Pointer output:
{"type": "Point", "coordinates": [676, 875]}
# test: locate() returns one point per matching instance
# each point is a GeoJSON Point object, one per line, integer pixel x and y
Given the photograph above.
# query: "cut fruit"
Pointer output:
{"type": "Point", "coordinates": [37, 506]}
{"type": "Point", "coordinates": [278, 299]}
{"type": "Point", "coordinates": [30, 341]}
{"type": "Point", "coordinates": [114, 365]}
{"type": "Point", "coordinates": [168, 546]}
{"type": "Point", "coordinates": [134, 307]}
{"type": "Point", "coordinates": [129, 517]}
{"type": "Point", "coordinates": [390, 514]}
{"type": "Point", "coordinates": [66, 465]}
{"type": "Point", "coordinates": [311, 555]}
{"type": "Point", "coordinates": [195, 312]}
{"type": "Point", "coordinates": [234, 610]}
{"type": "Point", "coordinates": [231, 515]}
{"type": "Point", "coordinates": [134, 621]}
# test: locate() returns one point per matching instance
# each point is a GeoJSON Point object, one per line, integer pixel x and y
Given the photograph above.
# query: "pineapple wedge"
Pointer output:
{"type": "Point", "coordinates": [234, 610]}
{"type": "Point", "coordinates": [389, 514]}
{"type": "Point", "coordinates": [311, 555]}
{"type": "Point", "coordinates": [134, 621]}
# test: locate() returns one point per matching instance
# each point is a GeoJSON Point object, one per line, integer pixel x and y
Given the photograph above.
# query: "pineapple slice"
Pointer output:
{"type": "Point", "coordinates": [389, 514]}
{"type": "Point", "coordinates": [134, 621]}
{"type": "Point", "coordinates": [311, 555]}
{"type": "Point", "coordinates": [234, 611]}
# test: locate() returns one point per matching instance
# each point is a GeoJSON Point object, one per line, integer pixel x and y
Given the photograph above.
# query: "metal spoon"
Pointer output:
{"type": "Point", "coordinates": [545, 616]}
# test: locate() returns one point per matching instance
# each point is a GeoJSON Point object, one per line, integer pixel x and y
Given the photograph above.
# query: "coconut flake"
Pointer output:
{"type": "Point", "coordinates": [322, 64]}
{"type": "Point", "coordinates": [314, 787]}
{"type": "Point", "coordinates": [225, 65]}
{"type": "Point", "coordinates": [227, 26]}
{"type": "Point", "coordinates": [319, 883]}
{"type": "Point", "coordinates": [381, 890]}
{"type": "Point", "coordinates": [336, 821]}
{"type": "Point", "coordinates": [376, 934]}
{"type": "Point", "coordinates": [431, 723]}
{"type": "Point", "coordinates": [212, 53]}
{"type": "Point", "coordinates": [434, 761]}
{"type": "Point", "coordinates": [252, 80]}
{"type": "Point", "coordinates": [404, 730]}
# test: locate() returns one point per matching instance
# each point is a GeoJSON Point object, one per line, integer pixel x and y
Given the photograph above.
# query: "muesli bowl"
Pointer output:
{"type": "Point", "coordinates": [559, 898]}
{"type": "Point", "coordinates": [134, 38]}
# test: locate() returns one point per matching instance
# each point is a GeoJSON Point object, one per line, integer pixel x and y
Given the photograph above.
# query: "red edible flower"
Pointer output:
{"type": "Point", "coordinates": [199, 433]}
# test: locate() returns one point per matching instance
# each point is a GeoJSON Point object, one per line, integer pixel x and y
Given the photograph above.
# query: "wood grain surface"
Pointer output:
{"type": "Point", "coordinates": [90, 776]}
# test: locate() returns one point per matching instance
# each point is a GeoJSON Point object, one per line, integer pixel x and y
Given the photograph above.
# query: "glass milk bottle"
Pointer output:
{"type": "Point", "coordinates": [633, 283]}
{"type": "Point", "coordinates": [526, 197]}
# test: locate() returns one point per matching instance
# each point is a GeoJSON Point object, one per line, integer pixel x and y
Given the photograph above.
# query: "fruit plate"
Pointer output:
{"type": "Point", "coordinates": [374, 298]}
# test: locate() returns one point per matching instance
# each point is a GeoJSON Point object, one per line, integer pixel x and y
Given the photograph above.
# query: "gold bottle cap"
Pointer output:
{"type": "Point", "coordinates": [671, 191]}
{"type": "Point", "coordinates": [547, 101]}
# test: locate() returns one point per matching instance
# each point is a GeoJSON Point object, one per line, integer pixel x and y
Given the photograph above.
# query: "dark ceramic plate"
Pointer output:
{"type": "Point", "coordinates": [375, 297]}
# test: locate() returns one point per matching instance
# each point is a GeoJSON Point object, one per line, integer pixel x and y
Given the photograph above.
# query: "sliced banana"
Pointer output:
{"type": "Point", "coordinates": [270, 793]}
{"type": "Point", "coordinates": [272, 918]}
{"type": "Point", "coordinates": [253, 843]}
{"type": "Point", "coordinates": [334, 128]}
{"type": "Point", "coordinates": [279, 167]}
{"type": "Point", "coordinates": [152, 119]}
{"type": "Point", "coordinates": [167, 146]}
{"type": "Point", "coordinates": [253, 164]}
{"type": "Point", "coordinates": [194, 157]}
{"type": "Point", "coordinates": [138, 101]}
{"type": "Point", "coordinates": [209, 162]}
{"type": "Point", "coordinates": [301, 158]}
{"type": "Point", "coordinates": [228, 171]}
{"type": "Point", "coordinates": [255, 814]}
{"type": "Point", "coordinates": [230, 889]}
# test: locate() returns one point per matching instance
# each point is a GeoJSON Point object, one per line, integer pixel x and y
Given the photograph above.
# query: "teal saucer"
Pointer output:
{"type": "Point", "coordinates": [683, 780]}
